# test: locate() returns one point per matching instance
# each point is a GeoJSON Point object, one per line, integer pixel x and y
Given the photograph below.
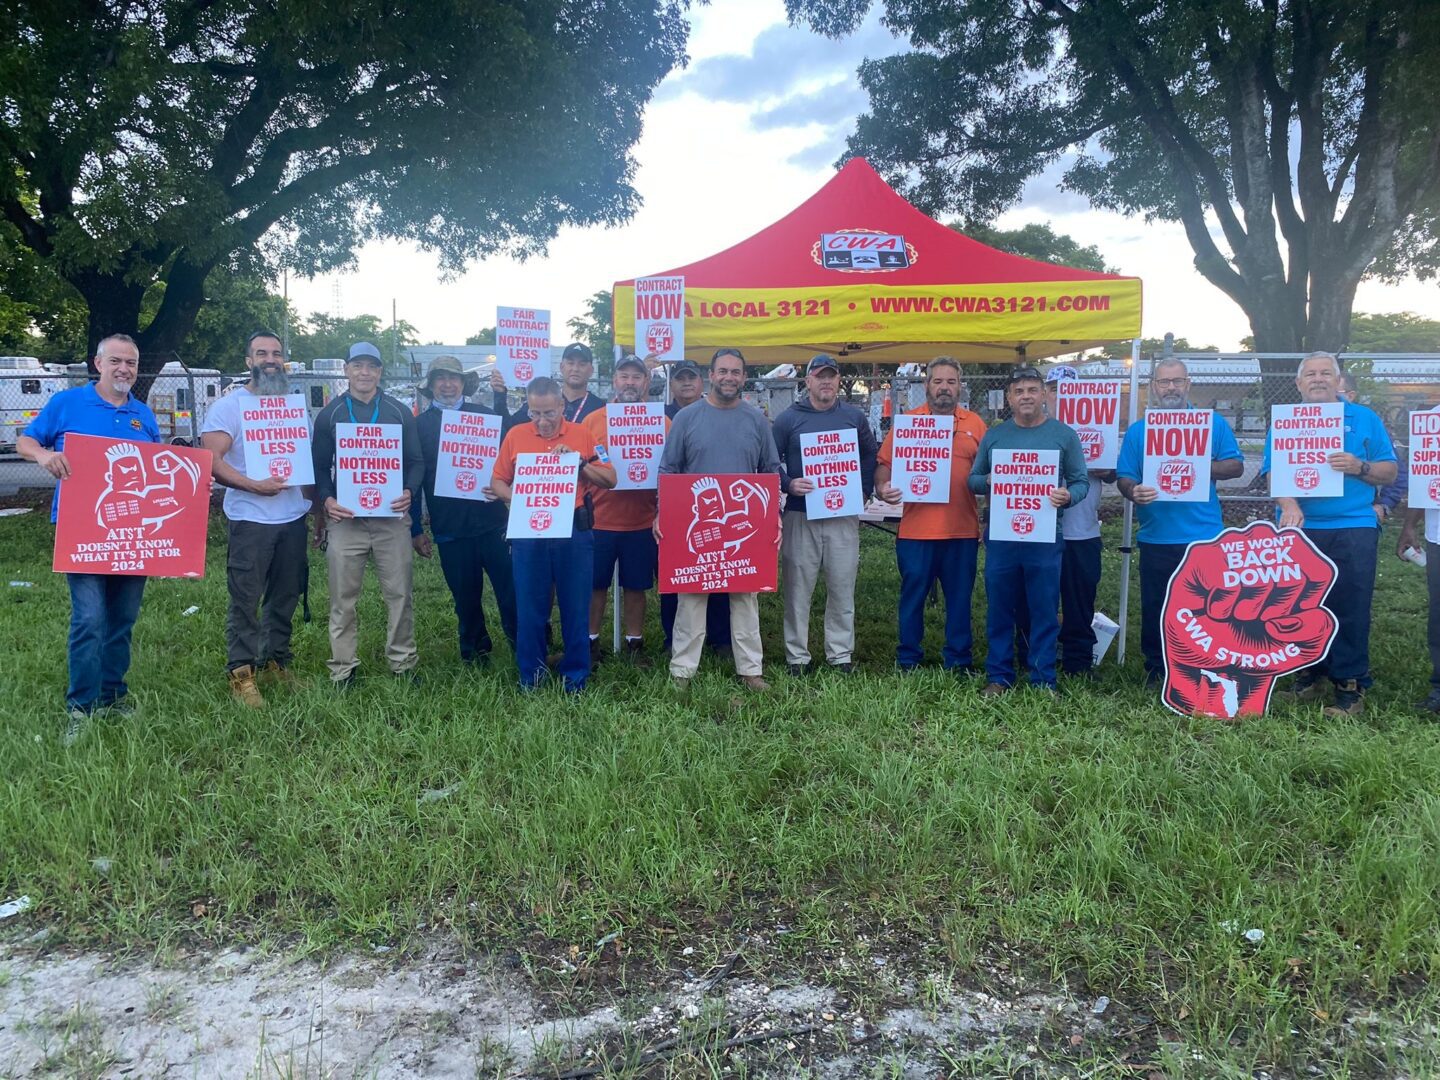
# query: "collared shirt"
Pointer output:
{"type": "Point", "coordinates": [615, 510]}
{"type": "Point", "coordinates": [82, 411]}
{"type": "Point", "coordinates": [525, 439]}
{"type": "Point", "coordinates": [958, 518]}
{"type": "Point", "coordinates": [1164, 522]}
{"type": "Point", "coordinates": [1367, 439]}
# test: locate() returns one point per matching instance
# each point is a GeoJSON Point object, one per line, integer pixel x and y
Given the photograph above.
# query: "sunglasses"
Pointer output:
{"type": "Point", "coordinates": [728, 352]}
{"type": "Point", "coordinates": [1021, 374]}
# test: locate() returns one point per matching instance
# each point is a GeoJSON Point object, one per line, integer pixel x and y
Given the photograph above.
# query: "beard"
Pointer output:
{"type": "Point", "coordinates": [1170, 401]}
{"type": "Point", "coordinates": [270, 383]}
{"type": "Point", "coordinates": [627, 397]}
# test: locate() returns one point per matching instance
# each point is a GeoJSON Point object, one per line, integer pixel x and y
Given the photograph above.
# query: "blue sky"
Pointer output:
{"type": "Point", "coordinates": [734, 141]}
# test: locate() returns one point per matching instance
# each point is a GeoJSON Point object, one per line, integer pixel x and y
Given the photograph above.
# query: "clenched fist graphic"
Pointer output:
{"type": "Point", "coordinates": [1243, 610]}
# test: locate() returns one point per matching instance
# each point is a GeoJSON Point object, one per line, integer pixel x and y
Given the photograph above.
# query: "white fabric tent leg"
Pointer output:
{"type": "Point", "coordinates": [1126, 545]}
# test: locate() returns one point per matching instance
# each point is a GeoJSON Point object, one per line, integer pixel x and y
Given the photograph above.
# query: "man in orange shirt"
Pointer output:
{"type": "Point", "coordinates": [938, 541]}
{"type": "Point", "coordinates": [623, 522]}
{"type": "Point", "coordinates": [546, 567]}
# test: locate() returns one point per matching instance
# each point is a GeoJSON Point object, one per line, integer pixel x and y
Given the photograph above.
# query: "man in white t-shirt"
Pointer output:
{"type": "Point", "coordinates": [266, 561]}
{"type": "Point", "coordinates": [1413, 516]}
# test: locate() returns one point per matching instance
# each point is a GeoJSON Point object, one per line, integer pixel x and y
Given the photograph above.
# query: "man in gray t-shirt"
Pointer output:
{"type": "Point", "coordinates": [719, 434]}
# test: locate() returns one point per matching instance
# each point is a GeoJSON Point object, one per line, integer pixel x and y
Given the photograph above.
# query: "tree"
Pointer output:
{"type": "Point", "coordinates": [1400, 332]}
{"type": "Point", "coordinates": [153, 141]}
{"type": "Point", "coordinates": [596, 328]}
{"type": "Point", "coordinates": [325, 336]}
{"type": "Point", "coordinates": [1304, 131]}
{"type": "Point", "coordinates": [1150, 346]}
{"type": "Point", "coordinates": [1038, 241]}
{"type": "Point", "coordinates": [236, 305]}
{"type": "Point", "coordinates": [486, 336]}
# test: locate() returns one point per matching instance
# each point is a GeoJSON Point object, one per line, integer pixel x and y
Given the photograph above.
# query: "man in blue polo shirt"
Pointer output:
{"type": "Point", "coordinates": [1168, 528]}
{"type": "Point", "coordinates": [1346, 529]}
{"type": "Point", "coordinates": [103, 607]}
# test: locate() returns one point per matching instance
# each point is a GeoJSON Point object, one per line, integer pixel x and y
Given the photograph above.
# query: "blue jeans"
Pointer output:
{"type": "Point", "coordinates": [566, 566]}
{"type": "Point", "coordinates": [103, 610]}
{"type": "Point", "coordinates": [952, 563]}
{"type": "Point", "coordinates": [1019, 573]}
{"type": "Point", "coordinates": [1354, 553]}
{"type": "Point", "coordinates": [1079, 578]}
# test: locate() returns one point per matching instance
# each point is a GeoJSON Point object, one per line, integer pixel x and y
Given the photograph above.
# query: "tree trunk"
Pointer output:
{"type": "Point", "coordinates": [1330, 305]}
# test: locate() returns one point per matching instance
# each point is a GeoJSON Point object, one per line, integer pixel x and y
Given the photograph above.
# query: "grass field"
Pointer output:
{"type": "Point", "coordinates": [1098, 839]}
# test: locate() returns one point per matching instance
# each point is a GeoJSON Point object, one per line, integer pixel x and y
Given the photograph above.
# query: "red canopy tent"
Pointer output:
{"type": "Point", "coordinates": [857, 271]}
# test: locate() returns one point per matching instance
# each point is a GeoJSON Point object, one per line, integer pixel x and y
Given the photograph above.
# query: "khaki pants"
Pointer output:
{"type": "Point", "coordinates": [352, 543]}
{"type": "Point", "coordinates": [689, 636]}
{"type": "Point", "coordinates": [809, 548]}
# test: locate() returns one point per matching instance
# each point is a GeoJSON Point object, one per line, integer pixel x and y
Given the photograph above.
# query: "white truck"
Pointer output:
{"type": "Point", "coordinates": [25, 386]}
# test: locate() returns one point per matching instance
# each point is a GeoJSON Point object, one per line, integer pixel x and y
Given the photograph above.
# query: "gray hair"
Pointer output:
{"type": "Point", "coordinates": [1170, 361]}
{"type": "Point", "coordinates": [1334, 361]}
{"type": "Point", "coordinates": [126, 338]}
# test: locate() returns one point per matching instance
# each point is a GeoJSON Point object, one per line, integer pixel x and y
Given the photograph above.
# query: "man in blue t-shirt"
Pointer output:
{"type": "Point", "coordinates": [1346, 529]}
{"type": "Point", "coordinates": [1168, 528]}
{"type": "Point", "coordinates": [103, 607]}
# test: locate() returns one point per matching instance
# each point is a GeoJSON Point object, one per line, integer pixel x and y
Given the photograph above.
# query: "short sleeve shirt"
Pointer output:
{"type": "Point", "coordinates": [1177, 522]}
{"type": "Point", "coordinates": [959, 518]}
{"type": "Point", "coordinates": [524, 439]}
{"type": "Point", "coordinates": [1367, 439]}
{"type": "Point", "coordinates": [82, 411]}
{"type": "Point", "coordinates": [620, 511]}
{"type": "Point", "coordinates": [225, 415]}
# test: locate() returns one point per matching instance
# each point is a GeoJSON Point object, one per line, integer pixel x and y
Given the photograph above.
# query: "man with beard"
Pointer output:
{"type": "Point", "coordinates": [623, 528]}
{"type": "Point", "coordinates": [577, 365]}
{"type": "Point", "coordinates": [103, 607]}
{"type": "Point", "coordinates": [265, 562]}
{"type": "Point", "coordinates": [716, 435]}
{"type": "Point", "coordinates": [1168, 528]}
{"type": "Point", "coordinates": [546, 567]}
{"type": "Point", "coordinates": [938, 541]}
{"type": "Point", "coordinates": [1347, 530]}
{"type": "Point", "coordinates": [1018, 572]}
{"type": "Point", "coordinates": [830, 546]}
{"type": "Point", "coordinates": [470, 533]}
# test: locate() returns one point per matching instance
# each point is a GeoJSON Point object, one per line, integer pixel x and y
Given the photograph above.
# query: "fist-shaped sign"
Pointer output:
{"type": "Point", "coordinates": [1242, 610]}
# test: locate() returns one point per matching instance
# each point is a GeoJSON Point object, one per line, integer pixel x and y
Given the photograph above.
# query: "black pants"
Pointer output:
{"type": "Point", "coordinates": [1432, 579]}
{"type": "Point", "coordinates": [1157, 566]}
{"type": "Point", "coordinates": [465, 561]}
{"type": "Point", "coordinates": [1079, 578]}
{"type": "Point", "coordinates": [717, 619]}
{"type": "Point", "coordinates": [1354, 553]}
{"type": "Point", "coordinates": [266, 571]}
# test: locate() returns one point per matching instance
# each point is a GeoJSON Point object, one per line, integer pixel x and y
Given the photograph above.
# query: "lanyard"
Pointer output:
{"type": "Point", "coordinates": [580, 405]}
{"type": "Point", "coordinates": [374, 417]}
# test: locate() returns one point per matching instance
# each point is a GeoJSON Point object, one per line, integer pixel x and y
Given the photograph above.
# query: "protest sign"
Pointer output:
{"type": "Point", "coordinates": [660, 317]}
{"type": "Point", "coordinates": [1424, 462]}
{"type": "Point", "coordinates": [921, 449]}
{"type": "Point", "coordinates": [469, 445]}
{"type": "Point", "coordinates": [276, 436]}
{"type": "Point", "coordinates": [719, 533]}
{"type": "Point", "coordinates": [1302, 438]}
{"type": "Point", "coordinates": [369, 468]}
{"type": "Point", "coordinates": [832, 460]}
{"type": "Point", "coordinates": [522, 344]}
{"type": "Point", "coordinates": [1020, 486]}
{"type": "Point", "coordinates": [1240, 611]}
{"type": "Point", "coordinates": [636, 434]}
{"type": "Point", "coordinates": [132, 508]}
{"type": "Point", "coordinates": [542, 497]}
{"type": "Point", "coordinates": [1092, 408]}
{"type": "Point", "coordinates": [1177, 454]}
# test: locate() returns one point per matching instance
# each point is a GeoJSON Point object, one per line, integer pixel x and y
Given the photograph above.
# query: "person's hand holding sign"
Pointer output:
{"type": "Point", "coordinates": [1060, 497]}
{"type": "Point", "coordinates": [889, 493]}
{"type": "Point", "coordinates": [1243, 610]}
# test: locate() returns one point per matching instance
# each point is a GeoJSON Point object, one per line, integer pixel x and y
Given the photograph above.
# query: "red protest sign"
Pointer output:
{"type": "Point", "coordinates": [719, 533]}
{"type": "Point", "coordinates": [132, 508]}
{"type": "Point", "coordinates": [1242, 610]}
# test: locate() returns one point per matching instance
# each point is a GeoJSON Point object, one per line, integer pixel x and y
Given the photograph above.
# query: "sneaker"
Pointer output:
{"type": "Point", "coordinates": [1349, 699]}
{"type": "Point", "coordinates": [994, 689]}
{"type": "Point", "coordinates": [243, 688]}
{"type": "Point", "coordinates": [77, 722]}
{"type": "Point", "coordinates": [121, 706]}
{"type": "Point", "coordinates": [1308, 686]}
{"type": "Point", "coordinates": [635, 654]}
{"type": "Point", "coordinates": [1431, 704]}
{"type": "Point", "coordinates": [798, 671]}
{"type": "Point", "coordinates": [755, 683]}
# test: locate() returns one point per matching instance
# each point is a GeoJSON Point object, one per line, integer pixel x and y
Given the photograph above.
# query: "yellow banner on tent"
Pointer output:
{"type": "Point", "coordinates": [1086, 310]}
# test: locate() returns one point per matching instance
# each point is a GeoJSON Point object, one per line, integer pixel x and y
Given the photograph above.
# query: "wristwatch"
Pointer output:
{"type": "Point", "coordinates": [1364, 469]}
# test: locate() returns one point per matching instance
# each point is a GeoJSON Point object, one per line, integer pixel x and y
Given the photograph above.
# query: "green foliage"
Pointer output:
{"type": "Point", "coordinates": [1396, 332]}
{"type": "Point", "coordinates": [1151, 346]}
{"type": "Point", "coordinates": [486, 336]}
{"type": "Point", "coordinates": [326, 336]}
{"type": "Point", "coordinates": [596, 328]}
{"type": "Point", "coordinates": [1038, 241]}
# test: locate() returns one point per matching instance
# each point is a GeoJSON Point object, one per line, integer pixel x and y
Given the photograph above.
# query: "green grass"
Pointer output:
{"type": "Point", "coordinates": [1101, 839]}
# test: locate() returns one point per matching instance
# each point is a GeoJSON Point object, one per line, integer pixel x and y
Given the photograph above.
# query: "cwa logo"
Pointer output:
{"type": "Point", "coordinates": [834, 500]}
{"type": "Point", "coordinates": [524, 370]}
{"type": "Point", "coordinates": [1434, 489]}
{"type": "Point", "coordinates": [863, 251]}
{"type": "Point", "coordinates": [1023, 524]}
{"type": "Point", "coordinates": [659, 338]}
{"type": "Point", "coordinates": [465, 481]}
{"type": "Point", "coordinates": [370, 499]}
{"type": "Point", "coordinates": [280, 468]}
{"type": "Point", "coordinates": [1176, 477]}
{"type": "Point", "coordinates": [541, 520]}
{"type": "Point", "coordinates": [919, 485]}
{"type": "Point", "coordinates": [1308, 478]}
{"type": "Point", "coordinates": [637, 471]}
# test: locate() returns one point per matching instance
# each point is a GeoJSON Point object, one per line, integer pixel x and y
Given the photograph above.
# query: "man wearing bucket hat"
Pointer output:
{"type": "Point", "coordinates": [469, 533]}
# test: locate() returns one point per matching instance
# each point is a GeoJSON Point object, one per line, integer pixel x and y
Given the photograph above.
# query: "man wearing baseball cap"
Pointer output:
{"type": "Point", "coordinates": [830, 546]}
{"type": "Point", "coordinates": [1016, 571]}
{"type": "Point", "coordinates": [577, 365]}
{"type": "Point", "coordinates": [351, 541]}
{"type": "Point", "coordinates": [469, 533]}
{"type": "Point", "coordinates": [687, 383]}
{"type": "Point", "coordinates": [1168, 528]}
{"type": "Point", "coordinates": [623, 527]}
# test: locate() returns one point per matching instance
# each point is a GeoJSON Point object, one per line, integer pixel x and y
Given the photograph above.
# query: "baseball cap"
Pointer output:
{"type": "Point", "coordinates": [1020, 374]}
{"type": "Point", "coordinates": [575, 349]}
{"type": "Point", "coordinates": [685, 367]}
{"type": "Point", "coordinates": [631, 360]}
{"type": "Point", "coordinates": [1061, 372]}
{"type": "Point", "coordinates": [821, 361]}
{"type": "Point", "coordinates": [363, 350]}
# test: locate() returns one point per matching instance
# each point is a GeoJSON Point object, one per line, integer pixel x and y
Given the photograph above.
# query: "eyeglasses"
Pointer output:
{"type": "Point", "coordinates": [545, 414]}
{"type": "Point", "coordinates": [1170, 384]}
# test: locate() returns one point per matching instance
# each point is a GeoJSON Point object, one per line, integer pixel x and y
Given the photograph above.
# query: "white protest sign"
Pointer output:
{"type": "Point", "coordinates": [469, 445]}
{"type": "Point", "coordinates": [636, 433]}
{"type": "Point", "coordinates": [1020, 484]}
{"type": "Point", "coordinates": [369, 468]}
{"type": "Point", "coordinates": [1302, 438]}
{"type": "Point", "coordinates": [542, 499]}
{"type": "Point", "coordinates": [276, 435]}
{"type": "Point", "coordinates": [1092, 408]}
{"type": "Point", "coordinates": [921, 448]}
{"type": "Point", "coordinates": [832, 460]}
{"type": "Point", "coordinates": [1425, 460]}
{"type": "Point", "coordinates": [522, 344]}
{"type": "Point", "coordinates": [1177, 454]}
{"type": "Point", "coordinates": [660, 317]}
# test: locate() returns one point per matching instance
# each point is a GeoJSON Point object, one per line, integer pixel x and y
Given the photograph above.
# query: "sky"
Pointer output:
{"type": "Point", "coordinates": [774, 104]}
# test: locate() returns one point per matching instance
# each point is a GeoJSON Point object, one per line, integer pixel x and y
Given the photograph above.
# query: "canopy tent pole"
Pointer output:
{"type": "Point", "coordinates": [1125, 546]}
{"type": "Point", "coordinates": [615, 600]}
